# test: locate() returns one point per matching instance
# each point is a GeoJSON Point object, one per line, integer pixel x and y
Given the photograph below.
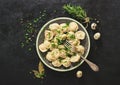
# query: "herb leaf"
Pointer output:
{"type": "Point", "coordinates": [77, 12]}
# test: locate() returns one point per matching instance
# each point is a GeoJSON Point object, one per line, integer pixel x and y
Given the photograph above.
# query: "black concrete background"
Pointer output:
{"type": "Point", "coordinates": [16, 63]}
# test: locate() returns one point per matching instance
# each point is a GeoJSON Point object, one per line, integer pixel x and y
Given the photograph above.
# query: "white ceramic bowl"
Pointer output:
{"type": "Point", "coordinates": [40, 39]}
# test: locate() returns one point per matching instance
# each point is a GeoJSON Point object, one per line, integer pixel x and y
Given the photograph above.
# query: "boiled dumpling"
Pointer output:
{"type": "Point", "coordinates": [75, 58]}
{"type": "Point", "coordinates": [56, 63]}
{"type": "Point", "coordinates": [74, 42]}
{"type": "Point", "coordinates": [50, 57]}
{"type": "Point", "coordinates": [66, 62]}
{"type": "Point", "coordinates": [62, 53]}
{"type": "Point", "coordinates": [61, 47]}
{"type": "Point", "coordinates": [80, 49]}
{"type": "Point", "coordinates": [54, 26]}
{"type": "Point", "coordinates": [64, 27]}
{"type": "Point", "coordinates": [71, 35]}
{"type": "Point", "coordinates": [73, 26]}
{"type": "Point", "coordinates": [47, 44]}
{"type": "Point", "coordinates": [80, 35]}
{"type": "Point", "coordinates": [63, 36]}
{"type": "Point", "coordinates": [56, 53]}
{"type": "Point", "coordinates": [48, 35]}
{"type": "Point", "coordinates": [42, 47]}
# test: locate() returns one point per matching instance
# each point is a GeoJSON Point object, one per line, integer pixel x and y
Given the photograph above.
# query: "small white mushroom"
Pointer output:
{"type": "Point", "coordinates": [97, 36]}
{"type": "Point", "coordinates": [93, 26]}
{"type": "Point", "coordinates": [79, 74]}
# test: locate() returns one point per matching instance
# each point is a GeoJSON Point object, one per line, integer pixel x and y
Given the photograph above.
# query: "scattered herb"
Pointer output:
{"type": "Point", "coordinates": [67, 23]}
{"type": "Point", "coordinates": [59, 41]}
{"type": "Point", "coordinates": [72, 36]}
{"type": "Point", "coordinates": [30, 30]}
{"type": "Point", "coordinates": [58, 31]}
{"type": "Point", "coordinates": [53, 45]}
{"type": "Point", "coordinates": [49, 35]}
{"type": "Point", "coordinates": [60, 59]}
{"type": "Point", "coordinates": [64, 26]}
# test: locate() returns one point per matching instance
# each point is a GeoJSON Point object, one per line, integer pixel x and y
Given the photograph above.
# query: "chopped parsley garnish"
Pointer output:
{"type": "Point", "coordinates": [53, 45]}
{"type": "Point", "coordinates": [72, 36]}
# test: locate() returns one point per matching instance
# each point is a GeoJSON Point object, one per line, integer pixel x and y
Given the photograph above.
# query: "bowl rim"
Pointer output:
{"type": "Point", "coordinates": [53, 68]}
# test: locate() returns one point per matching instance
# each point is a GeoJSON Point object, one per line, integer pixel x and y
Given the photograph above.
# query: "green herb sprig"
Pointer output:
{"type": "Point", "coordinates": [77, 12]}
{"type": "Point", "coordinates": [41, 72]}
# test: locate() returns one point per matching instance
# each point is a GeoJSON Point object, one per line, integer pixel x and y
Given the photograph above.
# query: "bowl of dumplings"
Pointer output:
{"type": "Point", "coordinates": [52, 50]}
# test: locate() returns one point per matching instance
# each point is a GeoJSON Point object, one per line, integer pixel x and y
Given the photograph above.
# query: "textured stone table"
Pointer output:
{"type": "Point", "coordinates": [16, 63]}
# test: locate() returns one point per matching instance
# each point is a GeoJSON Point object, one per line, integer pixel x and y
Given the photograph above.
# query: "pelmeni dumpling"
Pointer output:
{"type": "Point", "coordinates": [50, 57]}
{"type": "Point", "coordinates": [47, 44]}
{"type": "Point", "coordinates": [56, 63]}
{"type": "Point", "coordinates": [75, 58]}
{"type": "Point", "coordinates": [53, 46]}
{"type": "Point", "coordinates": [62, 53]}
{"type": "Point", "coordinates": [63, 36]}
{"type": "Point", "coordinates": [73, 26]}
{"type": "Point", "coordinates": [71, 35]}
{"type": "Point", "coordinates": [54, 26]}
{"type": "Point", "coordinates": [56, 53]}
{"type": "Point", "coordinates": [66, 62]}
{"type": "Point", "coordinates": [48, 35]}
{"type": "Point", "coordinates": [64, 27]}
{"type": "Point", "coordinates": [61, 47]}
{"type": "Point", "coordinates": [42, 47]}
{"type": "Point", "coordinates": [74, 42]}
{"type": "Point", "coordinates": [80, 49]}
{"type": "Point", "coordinates": [80, 35]}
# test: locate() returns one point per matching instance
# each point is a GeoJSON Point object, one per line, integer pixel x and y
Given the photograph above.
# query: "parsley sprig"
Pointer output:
{"type": "Point", "coordinates": [77, 12]}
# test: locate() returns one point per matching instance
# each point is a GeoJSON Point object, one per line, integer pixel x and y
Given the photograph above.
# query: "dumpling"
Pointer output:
{"type": "Point", "coordinates": [53, 46]}
{"type": "Point", "coordinates": [73, 26]}
{"type": "Point", "coordinates": [42, 47]}
{"type": "Point", "coordinates": [80, 35]}
{"type": "Point", "coordinates": [56, 63]}
{"type": "Point", "coordinates": [62, 53]}
{"type": "Point", "coordinates": [66, 62]}
{"type": "Point", "coordinates": [56, 53]}
{"type": "Point", "coordinates": [47, 44]}
{"type": "Point", "coordinates": [54, 26]}
{"type": "Point", "coordinates": [71, 35]}
{"type": "Point", "coordinates": [64, 27]}
{"type": "Point", "coordinates": [75, 42]}
{"type": "Point", "coordinates": [48, 35]}
{"type": "Point", "coordinates": [80, 49]}
{"type": "Point", "coordinates": [63, 36]}
{"type": "Point", "coordinates": [61, 47]}
{"type": "Point", "coordinates": [75, 58]}
{"type": "Point", "coordinates": [50, 57]}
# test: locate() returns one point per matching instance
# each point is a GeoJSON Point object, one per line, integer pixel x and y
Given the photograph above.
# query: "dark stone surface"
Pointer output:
{"type": "Point", "coordinates": [16, 63]}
